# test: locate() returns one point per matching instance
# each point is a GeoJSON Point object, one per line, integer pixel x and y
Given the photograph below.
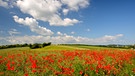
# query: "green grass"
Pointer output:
{"type": "Point", "coordinates": [56, 48]}
{"type": "Point", "coordinates": [60, 47]}
{"type": "Point", "coordinates": [47, 48]}
{"type": "Point", "coordinates": [53, 48]}
{"type": "Point", "coordinates": [4, 52]}
{"type": "Point", "coordinates": [89, 47]}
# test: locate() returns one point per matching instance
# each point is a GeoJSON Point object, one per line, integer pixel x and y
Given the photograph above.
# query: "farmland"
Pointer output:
{"type": "Point", "coordinates": [64, 60]}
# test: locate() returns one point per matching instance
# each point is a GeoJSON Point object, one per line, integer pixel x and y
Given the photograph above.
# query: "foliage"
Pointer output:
{"type": "Point", "coordinates": [37, 45]}
{"type": "Point", "coordinates": [46, 44]}
{"type": "Point", "coordinates": [13, 46]}
{"type": "Point", "coordinates": [32, 46]}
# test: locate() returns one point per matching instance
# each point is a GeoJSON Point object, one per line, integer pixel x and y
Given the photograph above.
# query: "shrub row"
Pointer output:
{"type": "Point", "coordinates": [32, 46]}
{"type": "Point", "coordinates": [37, 45]}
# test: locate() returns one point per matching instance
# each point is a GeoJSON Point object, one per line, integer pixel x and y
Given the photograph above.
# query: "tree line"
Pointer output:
{"type": "Point", "coordinates": [108, 46]}
{"type": "Point", "coordinates": [118, 46]}
{"type": "Point", "coordinates": [32, 46]}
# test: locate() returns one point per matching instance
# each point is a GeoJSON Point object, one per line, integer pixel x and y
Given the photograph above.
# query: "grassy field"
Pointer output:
{"type": "Point", "coordinates": [58, 48]}
{"type": "Point", "coordinates": [67, 60]}
{"type": "Point", "coordinates": [51, 48]}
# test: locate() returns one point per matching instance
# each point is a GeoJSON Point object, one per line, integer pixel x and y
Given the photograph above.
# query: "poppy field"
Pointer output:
{"type": "Point", "coordinates": [104, 62]}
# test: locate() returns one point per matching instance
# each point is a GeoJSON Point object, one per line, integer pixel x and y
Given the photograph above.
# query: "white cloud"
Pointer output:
{"type": "Point", "coordinates": [3, 4]}
{"type": "Point", "coordinates": [13, 32]}
{"type": "Point", "coordinates": [108, 38]}
{"type": "Point", "coordinates": [7, 3]}
{"type": "Point", "coordinates": [62, 38]}
{"type": "Point", "coordinates": [65, 11]}
{"type": "Point", "coordinates": [59, 33]}
{"type": "Point", "coordinates": [49, 10]}
{"type": "Point", "coordinates": [119, 35]}
{"type": "Point", "coordinates": [72, 32]}
{"type": "Point", "coordinates": [75, 4]}
{"type": "Point", "coordinates": [27, 39]}
{"type": "Point", "coordinates": [33, 25]}
{"type": "Point", "coordinates": [66, 22]}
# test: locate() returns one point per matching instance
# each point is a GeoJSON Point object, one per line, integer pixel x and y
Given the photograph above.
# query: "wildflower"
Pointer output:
{"type": "Point", "coordinates": [8, 65]}
{"type": "Point", "coordinates": [26, 74]}
{"type": "Point", "coordinates": [12, 68]}
{"type": "Point", "coordinates": [13, 62]}
{"type": "Point", "coordinates": [96, 71]}
{"type": "Point", "coordinates": [0, 57]}
{"type": "Point", "coordinates": [108, 67]}
{"type": "Point", "coordinates": [33, 71]}
{"type": "Point", "coordinates": [81, 72]}
{"type": "Point", "coordinates": [34, 64]}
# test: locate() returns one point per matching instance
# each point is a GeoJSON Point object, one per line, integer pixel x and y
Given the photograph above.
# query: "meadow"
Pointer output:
{"type": "Point", "coordinates": [64, 60]}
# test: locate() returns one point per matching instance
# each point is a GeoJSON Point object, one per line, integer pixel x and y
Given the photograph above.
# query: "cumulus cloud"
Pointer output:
{"type": "Point", "coordinates": [27, 39]}
{"type": "Point", "coordinates": [65, 11]}
{"type": "Point", "coordinates": [7, 3]}
{"type": "Point", "coordinates": [3, 4]}
{"type": "Point", "coordinates": [33, 25]}
{"type": "Point", "coordinates": [59, 33]}
{"type": "Point", "coordinates": [75, 4]}
{"type": "Point", "coordinates": [13, 32]}
{"type": "Point", "coordinates": [66, 22]}
{"type": "Point", "coordinates": [62, 38]}
{"type": "Point", "coordinates": [40, 39]}
{"type": "Point", "coordinates": [49, 10]}
{"type": "Point", "coordinates": [108, 38]}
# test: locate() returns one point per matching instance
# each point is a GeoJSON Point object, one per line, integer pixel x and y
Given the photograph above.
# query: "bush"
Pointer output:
{"type": "Point", "coordinates": [34, 46]}
{"type": "Point", "coordinates": [37, 45]}
{"type": "Point", "coordinates": [46, 44]}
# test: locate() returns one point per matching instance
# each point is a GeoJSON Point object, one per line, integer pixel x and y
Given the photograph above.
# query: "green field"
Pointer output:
{"type": "Point", "coordinates": [58, 48]}
{"type": "Point", "coordinates": [67, 60]}
{"type": "Point", "coordinates": [52, 48]}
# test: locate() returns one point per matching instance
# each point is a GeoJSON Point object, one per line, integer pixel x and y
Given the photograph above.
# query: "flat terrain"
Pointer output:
{"type": "Point", "coordinates": [58, 48]}
{"type": "Point", "coordinates": [55, 48]}
{"type": "Point", "coordinates": [67, 60]}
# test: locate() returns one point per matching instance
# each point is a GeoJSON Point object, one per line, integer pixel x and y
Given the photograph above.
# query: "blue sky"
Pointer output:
{"type": "Point", "coordinates": [67, 21]}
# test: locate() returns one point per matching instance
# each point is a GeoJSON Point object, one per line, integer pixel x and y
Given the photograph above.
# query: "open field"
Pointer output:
{"type": "Point", "coordinates": [64, 60]}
